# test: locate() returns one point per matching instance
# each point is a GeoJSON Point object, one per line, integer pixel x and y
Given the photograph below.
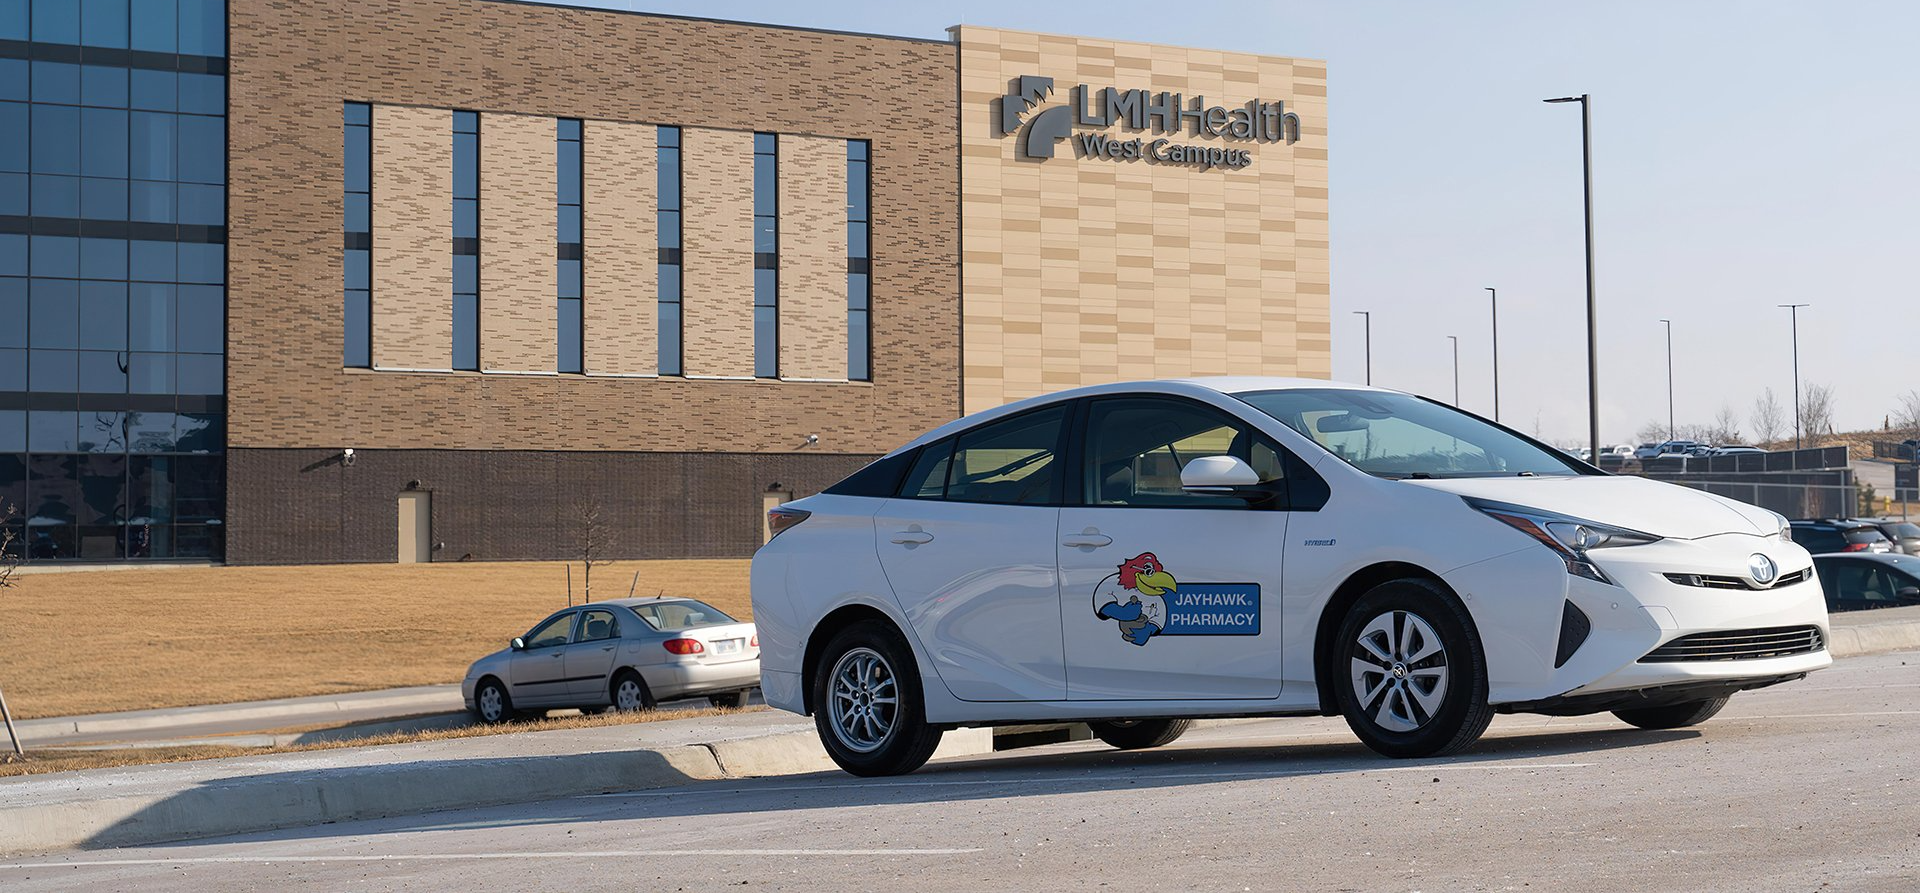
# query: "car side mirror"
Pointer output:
{"type": "Point", "coordinates": [1225, 476]}
{"type": "Point", "coordinates": [1910, 593]}
{"type": "Point", "coordinates": [518, 644]}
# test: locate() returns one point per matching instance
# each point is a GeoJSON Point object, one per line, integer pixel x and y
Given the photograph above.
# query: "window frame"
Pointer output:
{"type": "Point", "coordinates": [1062, 453]}
{"type": "Point", "coordinates": [612, 617]}
{"type": "Point", "coordinates": [573, 629]}
{"type": "Point", "coordinates": [1297, 479]}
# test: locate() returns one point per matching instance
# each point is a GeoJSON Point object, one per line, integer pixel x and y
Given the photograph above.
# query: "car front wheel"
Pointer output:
{"type": "Point", "coordinates": [1673, 716]}
{"type": "Point", "coordinates": [1411, 678]}
{"type": "Point", "coordinates": [867, 705]}
{"type": "Point", "coordinates": [491, 703]}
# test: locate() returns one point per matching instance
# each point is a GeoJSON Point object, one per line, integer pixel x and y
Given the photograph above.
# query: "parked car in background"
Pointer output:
{"type": "Point", "coordinates": [1829, 535]}
{"type": "Point", "coordinates": [1905, 535]}
{"type": "Point", "coordinates": [1646, 451]}
{"type": "Point", "coordinates": [1619, 452]}
{"type": "Point", "coordinates": [1864, 581]}
{"type": "Point", "coordinates": [1675, 448]}
{"type": "Point", "coordinates": [623, 654]}
{"type": "Point", "coordinates": [1735, 450]}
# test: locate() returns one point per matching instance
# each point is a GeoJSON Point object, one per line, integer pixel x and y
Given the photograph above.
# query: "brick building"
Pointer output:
{"type": "Point", "coordinates": [367, 280]}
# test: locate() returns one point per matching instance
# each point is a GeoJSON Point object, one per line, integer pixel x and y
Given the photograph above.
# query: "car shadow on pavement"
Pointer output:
{"type": "Point", "coordinates": [1047, 771]}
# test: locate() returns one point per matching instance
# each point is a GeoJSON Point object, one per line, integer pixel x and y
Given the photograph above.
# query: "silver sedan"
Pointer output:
{"type": "Point", "coordinates": [626, 654]}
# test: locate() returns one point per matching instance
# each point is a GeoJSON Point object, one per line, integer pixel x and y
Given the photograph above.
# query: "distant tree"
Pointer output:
{"type": "Point", "coordinates": [1726, 426]}
{"type": "Point", "coordinates": [1768, 419]}
{"type": "Point", "coordinates": [593, 546]}
{"type": "Point", "coordinates": [1652, 432]}
{"type": "Point", "coordinates": [1816, 410]}
{"type": "Point", "coordinates": [1906, 418]}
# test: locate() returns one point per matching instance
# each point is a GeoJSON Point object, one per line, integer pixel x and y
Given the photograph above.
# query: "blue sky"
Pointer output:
{"type": "Point", "coordinates": [1745, 154]}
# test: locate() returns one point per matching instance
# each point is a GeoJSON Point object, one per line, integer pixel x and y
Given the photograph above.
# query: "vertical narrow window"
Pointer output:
{"type": "Point", "coordinates": [466, 241]}
{"type": "Point", "coordinates": [859, 261]}
{"type": "Point", "coordinates": [359, 235]}
{"type": "Point", "coordinates": [669, 159]}
{"type": "Point", "coordinates": [766, 255]}
{"type": "Point", "coordinates": [571, 254]}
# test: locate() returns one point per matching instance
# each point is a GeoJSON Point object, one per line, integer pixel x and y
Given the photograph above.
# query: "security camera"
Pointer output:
{"type": "Point", "coordinates": [813, 439]}
{"type": "Point", "coordinates": [346, 456]}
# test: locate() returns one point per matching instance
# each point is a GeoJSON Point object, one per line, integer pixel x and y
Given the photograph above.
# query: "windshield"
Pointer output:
{"type": "Point", "coordinates": [672, 616]}
{"type": "Point", "coordinates": [1402, 436]}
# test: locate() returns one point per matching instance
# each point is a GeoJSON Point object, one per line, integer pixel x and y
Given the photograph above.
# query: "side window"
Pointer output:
{"type": "Point", "coordinates": [1009, 462]}
{"type": "Point", "coordinates": [928, 479]}
{"type": "Point", "coordinates": [1136, 448]}
{"type": "Point", "coordinates": [598, 625]}
{"type": "Point", "coordinates": [553, 632]}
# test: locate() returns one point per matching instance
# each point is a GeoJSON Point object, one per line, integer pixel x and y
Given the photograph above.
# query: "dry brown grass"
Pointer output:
{"type": "Point", "coordinates": [100, 641]}
{"type": "Point", "coordinates": [39, 762]}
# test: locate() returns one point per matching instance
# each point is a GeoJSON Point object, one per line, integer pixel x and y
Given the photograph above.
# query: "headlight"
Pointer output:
{"type": "Point", "coordinates": [1786, 527]}
{"type": "Point", "coordinates": [1571, 538]}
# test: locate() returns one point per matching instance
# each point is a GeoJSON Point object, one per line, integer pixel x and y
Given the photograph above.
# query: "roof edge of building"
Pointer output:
{"type": "Point", "coordinates": [954, 37]}
{"type": "Point", "coordinates": [560, 4]}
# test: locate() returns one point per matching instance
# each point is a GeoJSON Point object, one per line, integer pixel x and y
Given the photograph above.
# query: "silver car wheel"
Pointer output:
{"type": "Point", "coordinates": [864, 700]}
{"type": "Point", "coordinates": [628, 696]}
{"type": "Point", "coordinates": [492, 707]}
{"type": "Point", "coordinates": [1399, 671]}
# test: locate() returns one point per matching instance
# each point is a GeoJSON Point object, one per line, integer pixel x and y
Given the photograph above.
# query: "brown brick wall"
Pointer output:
{"type": "Point", "coordinates": [717, 290]}
{"type": "Point", "coordinates": [813, 258]}
{"type": "Point", "coordinates": [412, 238]}
{"type": "Point", "coordinates": [302, 506]}
{"type": "Point", "coordinates": [295, 61]}
{"type": "Point", "coordinates": [621, 229]}
{"type": "Point", "coordinates": [518, 212]}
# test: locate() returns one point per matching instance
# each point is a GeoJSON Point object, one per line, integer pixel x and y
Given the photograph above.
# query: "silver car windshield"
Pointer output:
{"type": "Point", "coordinates": [1402, 436]}
{"type": "Point", "coordinates": [678, 615]}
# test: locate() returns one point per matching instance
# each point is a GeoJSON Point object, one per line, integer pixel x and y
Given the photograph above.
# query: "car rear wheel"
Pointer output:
{"type": "Point", "coordinates": [867, 705]}
{"type": "Point", "coordinates": [630, 693]}
{"type": "Point", "coordinates": [1410, 676]}
{"type": "Point", "coordinates": [1138, 734]}
{"type": "Point", "coordinates": [730, 699]}
{"type": "Point", "coordinates": [1673, 716]}
{"type": "Point", "coordinates": [491, 704]}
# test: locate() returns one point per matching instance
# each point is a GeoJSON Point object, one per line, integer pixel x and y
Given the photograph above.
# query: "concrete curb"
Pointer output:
{"type": "Point", "coordinates": [291, 711]}
{"type": "Point", "coordinates": [1856, 640]}
{"type": "Point", "coordinates": [266, 802]}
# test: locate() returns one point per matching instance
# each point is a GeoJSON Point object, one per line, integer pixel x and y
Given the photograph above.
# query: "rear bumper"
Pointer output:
{"type": "Point", "coordinates": [679, 680]}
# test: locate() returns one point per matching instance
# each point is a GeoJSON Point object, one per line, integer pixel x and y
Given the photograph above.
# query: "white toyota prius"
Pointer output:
{"type": "Point", "coordinates": [1139, 555]}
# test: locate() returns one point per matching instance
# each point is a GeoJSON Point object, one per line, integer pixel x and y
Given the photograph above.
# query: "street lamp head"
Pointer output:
{"type": "Point", "coordinates": [1790, 306]}
{"type": "Point", "coordinates": [1567, 99]}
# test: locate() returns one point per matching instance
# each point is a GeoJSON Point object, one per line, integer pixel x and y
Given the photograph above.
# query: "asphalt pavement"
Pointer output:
{"type": "Point", "coordinates": [1805, 786]}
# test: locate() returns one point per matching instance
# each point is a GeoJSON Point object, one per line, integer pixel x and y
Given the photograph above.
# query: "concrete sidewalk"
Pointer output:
{"type": "Point", "coordinates": [178, 723]}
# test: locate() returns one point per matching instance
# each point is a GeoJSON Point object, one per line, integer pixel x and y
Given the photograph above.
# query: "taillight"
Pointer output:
{"type": "Point", "coordinates": [1858, 547]}
{"type": "Point", "coordinates": [755, 641]}
{"type": "Point", "coordinates": [685, 646]}
{"type": "Point", "coordinates": [781, 518]}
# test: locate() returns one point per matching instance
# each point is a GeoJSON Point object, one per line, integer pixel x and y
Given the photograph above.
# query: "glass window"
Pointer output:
{"type": "Point", "coordinates": [151, 261]}
{"type": "Point", "coordinates": [203, 205]}
{"type": "Point", "coordinates": [103, 258]}
{"type": "Point", "coordinates": [13, 439]}
{"type": "Point", "coordinates": [103, 23]}
{"type": "Point", "coordinates": [13, 77]}
{"type": "Point", "coordinates": [201, 433]}
{"type": "Point", "coordinates": [13, 194]}
{"type": "Point", "coordinates": [569, 342]}
{"type": "Point", "coordinates": [56, 196]}
{"type": "Point", "coordinates": [204, 94]}
{"type": "Point", "coordinates": [53, 431]}
{"type": "Point", "coordinates": [150, 373]}
{"type": "Point", "coordinates": [13, 369]}
{"type": "Point", "coordinates": [928, 477]}
{"type": "Point", "coordinates": [1009, 462]}
{"type": "Point", "coordinates": [56, 139]}
{"type": "Point", "coordinates": [673, 616]}
{"type": "Point", "coordinates": [154, 26]}
{"type": "Point", "coordinates": [13, 20]}
{"type": "Point", "coordinates": [56, 82]}
{"type": "Point", "coordinates": [13, 255]}
{"type": "Point", "coordinates": [201, 313]}
{"type": "Point", "coordinates": [568, 172]}
{"type": "Point", "coordinates": [150, 432]}
{"type": "Point", "coordinates": [197, 488]}
{"type": "Point", "coordinates": [1399, 435]}
{"type": "Point", "coordinates": [103, 316]}
{"type": "Point", "coordinates": [203, 149]}
{"type": "Point", "coordinates": [669, 229]}
{"type": "Point", "coordinates": [466, 274]}
{"type": "Point", "coordinates": [669, 337]}
{"type": "Point", "coordinates": [466, 165]}
{"type": "Point", "coordinates": [466, 218]}
{"type": "Point", "coordinates": [150, 316]}
{"type": "Point", "coordinates": [204, 262]}
{"type": "Point", "coordinates": [1137, 447]}
{"type": "Point", "coordinates": [203, 27]}
{"type": "Point", "coordinates": [104, 432]}
{"type": "Point", "coordinates": [13, 313]}
{"type": "Point", "coordinates": [597, 626]}
{"type": "Point", "coordinates": [859, 351]}
{"type": "Point", "coordinates": [556, 631]}
{"type": "Point", "coordinates": [13, 150]}
{"type": "Point", "coordinates": [150, 150]}
{"type": "Point", "coordinates": [154, 91]}
{"type": "Point", "coordinates": [56, 256]}
{"type": "Point", "coordinates": [199, 373]}
{"type": "Point", "coordinates": [466, 332]}
{"type": "Point", "coordinates": [54, 319]}
{"type": "Point", "coordinates": [103, 372]}
{"type": "Point", "coordinates": [669, 333]}
{"type": "Point", "coordinates": [103, 152]}
{"type": "Point", "coordinates": [56, 21]}
{"type": "Point", "coordinates": [359, 317]}
{"type": "Point", "coordinates": [53, 371]}
{"type": "Point", "coordinates": [150, 203]}
{"type": "Point", "coordinates": [102, 199]}
{"type": "Point", "coordinates": [359, 268]}
{"type": "Point", "coordinates": [766, 342]}
{"type": "Point", "coordinates": [569, 279]}
{"type": "Point", "coordinates": [103, 86]}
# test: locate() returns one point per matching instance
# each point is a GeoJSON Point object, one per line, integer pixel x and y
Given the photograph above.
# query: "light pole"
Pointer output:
{"type": "Point", "coordinates": [1670, 426]}
{"type": "Point", "coordinates": [1456, 368]}
{"type": "Point", "coordinates": [1494, 296]}
{"type": "Point", "coordinates": [1367, 317]}
{"type": "Point", "coordinates": [1593, 316]}
{"type": "Point", "coordinates": [1794, 311]}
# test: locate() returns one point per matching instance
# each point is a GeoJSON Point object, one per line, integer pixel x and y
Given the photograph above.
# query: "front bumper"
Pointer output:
{"type": "Point", "coordinates": [682, 679]}
{"type": "Point", "coordinates": [1514, 604]}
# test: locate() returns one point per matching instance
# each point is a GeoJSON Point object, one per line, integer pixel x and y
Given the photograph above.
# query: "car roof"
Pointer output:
{"type": "Point", "coordinates": [648, 600]}
{"type": "Point", "coordinates": [1910, 563]}
{"type": "Point", "coordinates": [1831, 522]}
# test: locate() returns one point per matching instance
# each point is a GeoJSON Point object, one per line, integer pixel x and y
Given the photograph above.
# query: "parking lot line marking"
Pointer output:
{"type": "Point", "coordinates": [455, 857]}
{"type": "Point", "coordinates": [1254, 774]}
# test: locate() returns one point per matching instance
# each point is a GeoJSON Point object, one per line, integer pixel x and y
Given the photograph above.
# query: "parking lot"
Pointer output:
{"type": "Point", "coordinates": [1800, 787]}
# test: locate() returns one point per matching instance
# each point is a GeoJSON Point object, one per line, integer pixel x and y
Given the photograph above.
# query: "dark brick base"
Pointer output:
{"type": "Point", "coordinates": [303, 506]}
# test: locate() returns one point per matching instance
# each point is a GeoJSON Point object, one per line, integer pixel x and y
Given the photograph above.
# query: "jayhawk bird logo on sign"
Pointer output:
{"type": "Point", "coordinates": [1145, 601]}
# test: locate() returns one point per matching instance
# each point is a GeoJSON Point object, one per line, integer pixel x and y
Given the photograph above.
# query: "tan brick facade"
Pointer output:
{"type": "Point", "coordinates": [622, 227]}
{"type": "Point", "coordinates": [295, 63]}
{"type": "Point", "coordinates": [1088, 270]}
{"type": "Point", "coordinates": [412, 238]}
{"type": "Point", "coordinates": [518, 212]}
{"type": "Point", "coordinates": [813, 258]}
{"type": "Point", "coordinates": [718, 242]}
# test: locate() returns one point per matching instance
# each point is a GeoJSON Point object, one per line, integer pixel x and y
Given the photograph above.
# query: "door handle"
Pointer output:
{"type": "Point", "coordinates": [1087, 540]}
{"type": "Point", "coordinates": [608, 648]}
{"type": "Point", "coordinates": [912, 537]}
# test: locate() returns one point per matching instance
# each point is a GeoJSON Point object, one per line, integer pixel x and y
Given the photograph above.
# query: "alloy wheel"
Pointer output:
{"type": "Point", "coordinates": [864, 701]}
{"type": "Point", "coordinates": [1399, 671]}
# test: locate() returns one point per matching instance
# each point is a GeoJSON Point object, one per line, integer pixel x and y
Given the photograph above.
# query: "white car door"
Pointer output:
{"type": "Point", "coordinates": [968, 550]}
{"type": "Point", "coordinates": [1167, 594]}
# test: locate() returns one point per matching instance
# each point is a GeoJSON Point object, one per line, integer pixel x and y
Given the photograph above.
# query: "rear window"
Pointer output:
{"type": "Point", "coordinates": [1864, 536]}
{"type": "Point", "coordinates": [1904, 529]}
{"type": "Point", "coordinates": [674, 616]}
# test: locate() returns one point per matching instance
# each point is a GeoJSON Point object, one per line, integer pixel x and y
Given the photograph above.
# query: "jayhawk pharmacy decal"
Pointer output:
{"type": "Point", "coordinates": [1145, 601]}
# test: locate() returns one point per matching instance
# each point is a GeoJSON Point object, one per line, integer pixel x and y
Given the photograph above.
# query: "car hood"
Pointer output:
{"type": "Point", "coordinates": [492, 663]}
{"type": "Point", "coordinates": [1649, 506]}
